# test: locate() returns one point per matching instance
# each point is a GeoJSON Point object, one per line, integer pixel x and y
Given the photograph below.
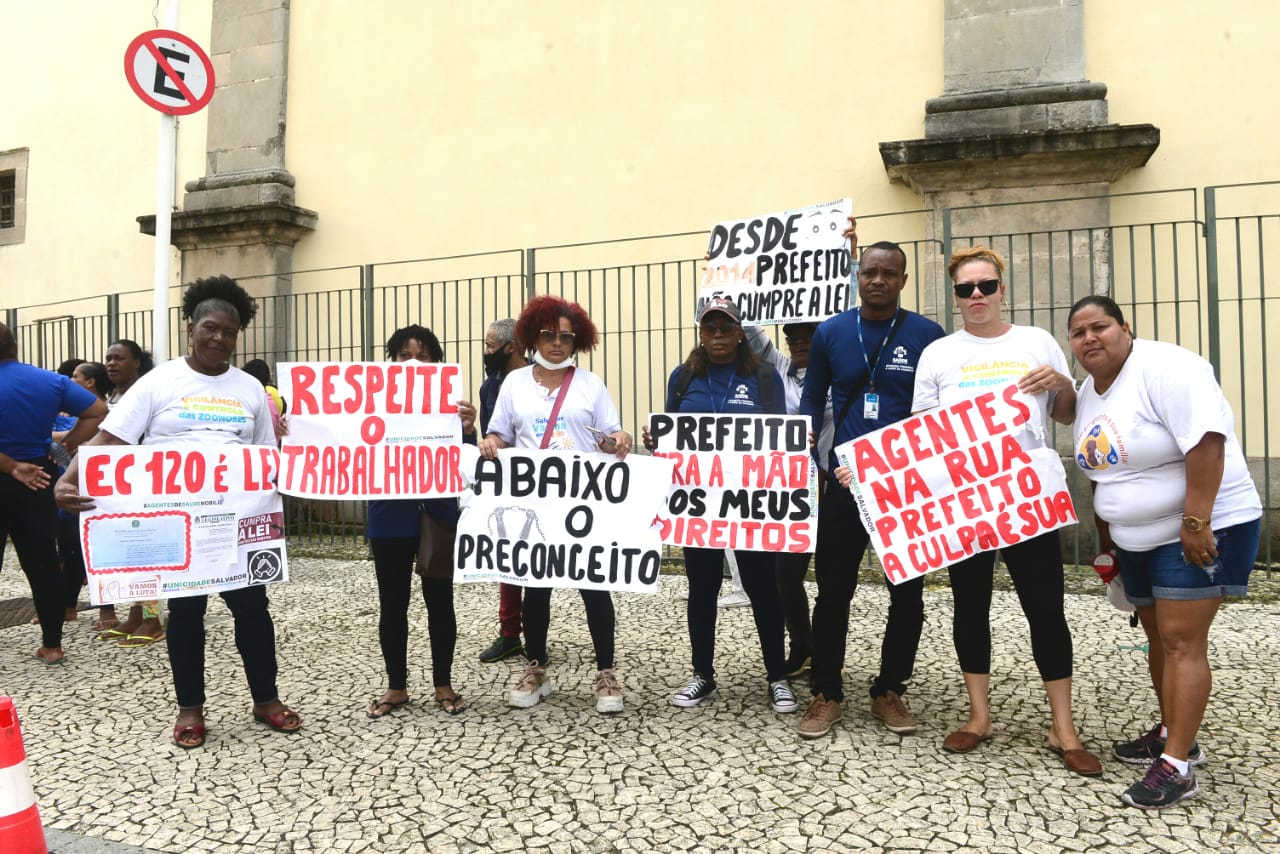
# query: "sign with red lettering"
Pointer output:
{"type": "Point", "coordinates": [954, 481]}
{"type": "Point", "coordinates": [371, 430]}
{"type": "Point", "coordinates": [563, 519]}
{"type": "Point", "coordinates": [178, 520]}
{"type": "Point", "coordinates": [782, 267]}
{"type": "Point", "coordinates": [740, 481]}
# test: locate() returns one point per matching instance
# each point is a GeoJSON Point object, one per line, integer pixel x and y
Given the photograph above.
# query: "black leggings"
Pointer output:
{"type": "Point", "coordinates": [393, 564]}
{"type": "Point", "coordinates": [1035, 566]}
{"type": "Point", "coordinates": [72, 557]}
{"type": "Point", "coordinates": [28, 516]}
{"type": "Point", "coordinates": [600, 622]}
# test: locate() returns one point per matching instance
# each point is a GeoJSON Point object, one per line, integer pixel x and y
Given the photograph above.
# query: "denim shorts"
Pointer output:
{"type": "Point", "coordinates": [1163, 572]}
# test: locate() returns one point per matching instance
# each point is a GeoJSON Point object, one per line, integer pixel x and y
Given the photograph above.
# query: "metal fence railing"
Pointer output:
{"type": "Point", "coordinates": [1192, 277]}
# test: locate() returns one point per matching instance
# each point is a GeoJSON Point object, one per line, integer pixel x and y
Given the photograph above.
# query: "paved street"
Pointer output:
{"type": "Point", "coordinates": [559, 777]}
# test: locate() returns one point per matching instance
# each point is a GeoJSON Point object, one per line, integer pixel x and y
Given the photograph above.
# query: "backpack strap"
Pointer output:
{"type": "Point", "coordinates": [767, 378]}
{"type": "Point", "coordinates": [682, 386]}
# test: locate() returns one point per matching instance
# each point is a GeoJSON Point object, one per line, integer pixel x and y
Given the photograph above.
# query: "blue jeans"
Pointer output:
{"type": "Point", "coordinates": [1163, 572]}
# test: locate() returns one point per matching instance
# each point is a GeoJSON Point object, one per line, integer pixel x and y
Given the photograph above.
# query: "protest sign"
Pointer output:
{"type": "Point", "coordinates": [740, 481]}
{"type": "Point", "coordinates": [555, 519]}
{"type": "Point", "coordinates": [948, 483]}
{"type": "Point", "coordinates": [371, 430]}
{"type": "Point", "coordinates": [783, 267]}
{"type": "Point", "coordinates": [180, 520]}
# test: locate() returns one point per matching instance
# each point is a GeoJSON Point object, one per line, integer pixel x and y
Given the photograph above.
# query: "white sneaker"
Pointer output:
{"type": "Point", "coordinates": [534, 684]}
{"type": "Point", "coordinates": [608, 692]}
{"type": "Point", "coordinates": [736, 599]}
{"type": "Point", "coordinates": [781, 699]}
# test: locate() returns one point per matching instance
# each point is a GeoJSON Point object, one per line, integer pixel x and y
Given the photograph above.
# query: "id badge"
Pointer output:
{"type": "Point", "coordinates": [871, 406]}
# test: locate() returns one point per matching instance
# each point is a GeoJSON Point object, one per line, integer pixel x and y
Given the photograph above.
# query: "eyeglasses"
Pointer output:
{"type": "Point", "coordinates": [798, 339]}
{"type": "Point", "coordinates": [548, 336]}
{"type": "Point", "coordinates": [964, 290]}
{"type": "Point", "coordinates": [719, 327]}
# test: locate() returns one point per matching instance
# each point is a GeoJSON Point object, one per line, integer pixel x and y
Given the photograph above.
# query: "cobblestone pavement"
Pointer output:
{"type": "Point", "coordinates": [560, 777]}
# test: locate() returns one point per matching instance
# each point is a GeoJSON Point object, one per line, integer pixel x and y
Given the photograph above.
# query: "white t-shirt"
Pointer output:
{"type": "Point", "coordinates": [1132, 442]}
{"type": "Point", "coordinates": [173, 403]}
{"type": "Point", "coordinates": [962, 366]}
{"type": "Point", "coordinates": [523, 409]}
{"type": "Point", "coordinates": [793, 379]}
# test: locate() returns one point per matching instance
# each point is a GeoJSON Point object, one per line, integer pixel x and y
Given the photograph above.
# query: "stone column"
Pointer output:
{"type": "Point", "coordinates": [241, 218]}
{"type": "Point", "coordinates": [1017, 122]}
{"type": "Point", "coordinates": [1017, 125]}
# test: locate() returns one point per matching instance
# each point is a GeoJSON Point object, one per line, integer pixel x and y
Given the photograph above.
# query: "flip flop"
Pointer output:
{"type": "Point", "coordinates": [135, 641]}
{"type": "Point", "coordinates": [454, 705]}
{"type": "Point", "coordinates": [104, 625]}
{"type": "Point", "coordinates": [112, 634]}
{"type": "Point", "coordinates": [179, 730]}
{"type": "Point", "coordinates": [375, 704]}
{"type": "Point", "coordinates": [277, 720]}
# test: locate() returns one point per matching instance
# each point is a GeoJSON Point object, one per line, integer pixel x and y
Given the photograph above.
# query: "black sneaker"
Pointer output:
{"type": "Point", "coordinates": [698, 691]}
{"type": "Point", "coordinates": [502, 648]}
{"type": "Point", "coordinates": [1162, 787]}
{"type": "Point", "coordinates": [1147, 748]}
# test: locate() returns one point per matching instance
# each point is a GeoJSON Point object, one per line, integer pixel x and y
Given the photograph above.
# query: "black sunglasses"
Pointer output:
{"type": "Point", "coordinates": [987, 286]}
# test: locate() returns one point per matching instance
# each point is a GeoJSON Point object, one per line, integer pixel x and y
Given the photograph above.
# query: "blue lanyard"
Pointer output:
{"type": "Point", "coordinates": [871, 368]}
{"type": "Point", "coordinates": [711, 391]}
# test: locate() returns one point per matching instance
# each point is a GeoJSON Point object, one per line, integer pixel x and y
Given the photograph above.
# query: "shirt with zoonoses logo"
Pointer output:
{"type": "Point", "coordinates": [1132, 442]}
{"type": "Point", "coordinates": [175, 404]}
{"type": "Point", "coordinates": [963, 366]}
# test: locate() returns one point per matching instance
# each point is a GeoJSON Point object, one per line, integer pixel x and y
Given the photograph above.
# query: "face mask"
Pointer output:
{"type": "Point", "coordinates": [549, 365]}
{"type": "Point", "coordinates": [496, 361]}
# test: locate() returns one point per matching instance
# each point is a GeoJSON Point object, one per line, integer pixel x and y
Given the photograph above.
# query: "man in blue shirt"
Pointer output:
{"type": "Point", "coordinates": [30, 400]}
{"type": "Point", "coordinates": [866, 357]}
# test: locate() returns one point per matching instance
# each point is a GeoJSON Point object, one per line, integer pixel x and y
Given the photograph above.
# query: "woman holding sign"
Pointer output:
{"type": "Point", "coordinates": [988, 353]}
{"type": "Point", "coordinates": [724, 376]}
{"type": "Point", "coordinates": [158, 409]}
{"type": "Point", "coordinates": [552, 404]}
{"type": "Point", "coordinates": [402, 532]}
{"type": "Point", "coordinates": [1157, 438]}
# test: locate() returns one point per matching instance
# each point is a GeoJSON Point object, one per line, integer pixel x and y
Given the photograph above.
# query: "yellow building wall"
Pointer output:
{"type": "Point", "coordinates": [93, 149]}
{"type": "Point", "coordinates": [426, 129]}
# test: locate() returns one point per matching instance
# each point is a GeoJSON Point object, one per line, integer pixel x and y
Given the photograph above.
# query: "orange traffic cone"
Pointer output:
{"type": "Point", "coordinates": [20, 828]}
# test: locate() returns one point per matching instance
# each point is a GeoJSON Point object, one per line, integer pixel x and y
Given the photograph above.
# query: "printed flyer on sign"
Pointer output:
{"type": "Point", "coordinates": [783, 267]}
{"type": "Point", "coordinates": [948, 483]}
{"type": "Point", "coordinates": [558, 519]}
{"type": "Point", "coordinates": [180, 520]}
{"type": "Point", "coordinates": [360, 430]}
{"type": "Point", "coordinates": [740, 481]}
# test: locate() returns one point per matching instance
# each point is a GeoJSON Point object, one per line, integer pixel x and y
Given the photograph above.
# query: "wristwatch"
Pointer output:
{"type": "Point", "coordinates": [1193, 524]}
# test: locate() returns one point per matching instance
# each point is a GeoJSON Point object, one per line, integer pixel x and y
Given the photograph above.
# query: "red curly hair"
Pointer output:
{"type": "Point", "coordinates": [544, 312]}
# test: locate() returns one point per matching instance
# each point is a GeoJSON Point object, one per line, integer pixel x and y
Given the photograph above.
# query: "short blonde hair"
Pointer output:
{"type": "Point", "coordinates": [976, 253]}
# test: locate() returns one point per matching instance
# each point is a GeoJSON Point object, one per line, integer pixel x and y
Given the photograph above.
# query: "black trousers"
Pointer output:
{"type": "Point", "coordinates": [842, 541]}
{"type": "Point", "coordinates": [30, 519]}
{"type": "Point", "coordinates": [1035, 566]}
{"type": "Point", "coordinates": [600, 622]}
{"type": "Point", "coordinates": [71, 556]}
{"type": "Point", "coordinates": [702, 568]}
{"type": "Point", "coordinates": [255, 640]}
{"type": "Point", "coordinates": [791, 570]}
{"type": "Point", "coordinates": [393, 559]}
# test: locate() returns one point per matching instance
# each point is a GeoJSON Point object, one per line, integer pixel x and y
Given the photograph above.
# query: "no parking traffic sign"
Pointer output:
{"type": "Point", "coordinates": [169, 72]}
